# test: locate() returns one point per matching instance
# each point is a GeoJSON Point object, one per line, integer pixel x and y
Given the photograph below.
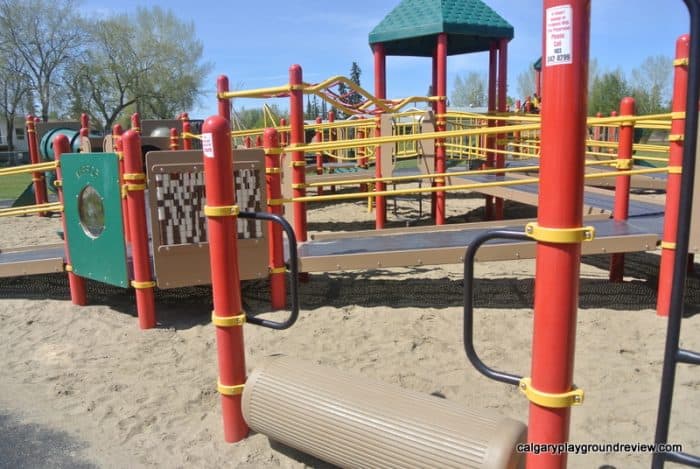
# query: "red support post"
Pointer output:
{"type": "Point", "coordinates": [247, 142]}
{"type": "Point", "coordinates": [186, 131]}
{"type": "Point", "coordinates": [134, 184]}
{"type": "Point", "coordinates": [38, 179]}
{"type": "Point", "coordinates": [76, 284]}
{"type": "Point", "coordinates": [441, 121]}
{"type": "Point", "coordinates": [501, 107]}
{"type": "Point", "coordinates": [275, 245]}
{"type": "Point", "coordinates": [258, 141]}
{"type": "Point", "coordinates": [173, 139]}
{"type": "Point", "coordinates": [379, 93]}
{"type": "Point", "coordinates": [622, 183]}
{"type": "Point", "coordinates": [296, 134]}
{"type": "Point", "coordinates": [284, 134]}
{"type": "Point", "coordinates": [567, 23]}
{"type": "Point", "coordinates": [228, 315]}
{"type": "Point", "coordinates": [84, 125]}
{"type": "Point", "coordinates": [489, 209]}
{"type": "Point", "coordinates": [223, 104]}
{"type": "Point", "coordinates": [673, 184]}
{"type": "Point", "coordinates": [136, 122]}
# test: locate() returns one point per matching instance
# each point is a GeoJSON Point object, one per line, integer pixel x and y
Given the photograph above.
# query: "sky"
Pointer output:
{"type": "Point", "coordinates": [255, 42]}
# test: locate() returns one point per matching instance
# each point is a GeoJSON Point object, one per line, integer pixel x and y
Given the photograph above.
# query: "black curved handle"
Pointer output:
{"type": "Point", "coordinates": [293, 271]}
{"type": "Point", "coordinates": [468, 332]}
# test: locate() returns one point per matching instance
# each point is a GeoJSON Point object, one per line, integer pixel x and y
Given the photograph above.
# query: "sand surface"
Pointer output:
{"type": "Point", "coordinates": [117, 396]}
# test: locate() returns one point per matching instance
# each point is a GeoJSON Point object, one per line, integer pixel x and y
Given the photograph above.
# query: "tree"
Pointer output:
{"type": "Point", "coordinates": [651, 85]}
{"type": "Point", "coordinates": [148, 62]}
{"type": "Point", "coordinates": [606, 92]}
{"type": "Point", "coordinates": [470, 91]}
{"type": "Point", "coordinates": [14, 90]}
{"type": "Point", "coordinates": [48, 36]}
{"type": "Point", "coordinates": [354, 97]}
{"type": "Point", "coordinates": [526, 83]}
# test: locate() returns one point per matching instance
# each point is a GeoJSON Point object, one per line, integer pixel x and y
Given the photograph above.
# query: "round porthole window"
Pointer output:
{"type": "Point", "coordinates": [91, 212]}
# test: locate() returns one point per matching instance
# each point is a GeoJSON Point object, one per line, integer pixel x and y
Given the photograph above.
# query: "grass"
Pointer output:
{"type": "Point", "coordinates": [12, 186]}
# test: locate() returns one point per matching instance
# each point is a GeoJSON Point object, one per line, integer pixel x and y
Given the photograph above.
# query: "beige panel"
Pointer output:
{"type": "Point", "coordinates": [694, 241]}
{"type": "Point", "coordinates": [351, 421]}
{"type": "Point", "coordinates": [387, 149]}
{"type": "Point", "coordinates": [44, 266]}
{"type": "Point", "coordinates": [426, 162]}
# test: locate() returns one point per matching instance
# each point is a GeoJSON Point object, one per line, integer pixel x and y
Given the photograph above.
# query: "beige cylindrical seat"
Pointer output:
{"type": "Point", "coordinates": [351, 421]}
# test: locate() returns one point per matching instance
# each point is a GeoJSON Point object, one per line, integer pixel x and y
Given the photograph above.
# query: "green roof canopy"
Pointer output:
{"type": "Point", "coordinates": [411, 27]}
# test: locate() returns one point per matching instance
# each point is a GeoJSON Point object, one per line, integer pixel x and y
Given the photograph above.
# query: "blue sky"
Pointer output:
{"type": "Point", "coordinates": [255, 42]}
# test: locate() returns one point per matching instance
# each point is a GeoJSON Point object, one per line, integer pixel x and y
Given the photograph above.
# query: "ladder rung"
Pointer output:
{"type": "Point", "coordinates": [688, 356]}
{"type": "Point", "coordinates": [682, 458]}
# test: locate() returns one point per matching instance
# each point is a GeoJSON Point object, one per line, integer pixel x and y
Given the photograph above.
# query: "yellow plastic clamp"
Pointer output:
{"type": "Point", "coordinates": [126, 188]}
{"type": "Point", "coordinates": [681, 62]}
{"type": "Point", "coordinates": [277, 270]}
{"type": "Point", "coordinates": [273, 170]}
{"type": "Point", "coordinates": [229, 390]}
{"type": "Point", "coordinates": [624, 164]}
{"type": "Point", "coordinates": [678, 115]}
{"type": "Point", "coordinates": [675, 170]}
{"type": "Point", "coordinates": [559, 235]}
{"type": "Point", "coordinates": [68, 268]}
{"type": "Point", "coordinates": [58, 183]}
{"type": "Point", "coordinates": [549, 400]}
{"type": "Point", "coordinates": [675, 138]}
{"type": "Point", "coordinates": [297, 164]}
{"type": "Point", "coordinates": [627, 124]}
{"type": "Point", "coordinates": [296, 87]}
{"type": "Point", "coordinates": [39, 179]}
{"type": "Point", "coordinates": [136, 129]}
{"type": "Point", "coordinates": [143, 285]}
{"type": "Point", "coordinates": [275, 202]}
{"type": "Point", "coordinates": [134, 176]}
{"type": "Point", "coordinates": [227, 321]}
{"type": "Point", "coordinates": [439, 180]}
{"type": "Point", "coordinates": [300, 185]}
{"type": "Point", "coordinates": [668, 245]}
{"type": "Point", "coordinates": [273, 151]}
{"type": "Point", "coordinates": [222, 211]}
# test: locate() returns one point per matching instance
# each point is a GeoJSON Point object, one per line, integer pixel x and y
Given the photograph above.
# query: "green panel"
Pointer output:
{"type": "Point", "coordinates": [411, 27]}
{"type": "Point", "coordinates": [93, 211]}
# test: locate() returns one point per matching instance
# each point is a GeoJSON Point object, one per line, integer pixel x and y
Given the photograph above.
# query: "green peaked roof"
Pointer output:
{"type": "Point", "coordinates": [411, 27]}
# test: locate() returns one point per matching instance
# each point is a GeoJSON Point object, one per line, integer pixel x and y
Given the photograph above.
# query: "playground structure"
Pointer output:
{"type": "Point", "coordinates": [176, 174]}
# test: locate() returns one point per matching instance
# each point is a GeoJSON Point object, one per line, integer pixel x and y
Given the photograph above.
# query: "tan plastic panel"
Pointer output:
{"type": "Point", "coordinates": [351, 421]}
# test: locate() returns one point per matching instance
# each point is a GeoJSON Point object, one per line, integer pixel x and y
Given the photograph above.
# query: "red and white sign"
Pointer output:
{"type": "Point", "coordinates": [208, 145]}
{"type": "Point", "coordinates": [559, 31]}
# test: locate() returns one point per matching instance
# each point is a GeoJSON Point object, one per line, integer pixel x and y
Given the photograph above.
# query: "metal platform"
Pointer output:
{"type": "Point", "coordinates": [447, 246]}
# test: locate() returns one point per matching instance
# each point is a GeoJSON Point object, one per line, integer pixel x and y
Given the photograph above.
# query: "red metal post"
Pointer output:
{"type": "Point", "coordinates": [538, 83]}
{"type": "Point", "coordinates": [186, 131]}
{"type": "Point", "coordinates": [489, 209]}
{"type": "Point", "coordinates": [284, 134]}
{"type": "Point", "coordinates": [223, 104]}
{"type": "Point", "coordinates": [258, 141]}
{"type": "Point", "coordinates": [173, 139]}
{"type": "Point", "coordinates": [565, 69]}
{"type": "Point", "coordinates": [275, 246]}
{"type": "Point", "coordinates": [501, 107]}
{"type": "Point", "coordinates": [379, 93]}
{"type": "Point", "coordinates": [247, 142]}
{"type": "Point", "coordinates": [622, 183]}
{"type": "Point", "coordinates": [296, 134]}
{"type": "Point", "coordinates": [38, 179]}
{"type": "Point", "coordinates": [136, 122]}
{"type": "Point", "coordinates": [673, 184]}
{"type": "Point", "coordinates": [225, 279]}
{"type": "Point", "coordinates": [135, 182]}
{"type": "Point", "coordinates": [441, 121]}
{"type": "Point", "coordinates": [78, 296]}
{"type": "Point", "coordinates": [84, 125]}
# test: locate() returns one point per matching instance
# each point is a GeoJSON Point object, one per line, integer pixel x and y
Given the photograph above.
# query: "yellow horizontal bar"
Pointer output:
{"type": "Point", "coordinates": [14, 211]}
{"type": "Point", "coordinates": [28, 168]}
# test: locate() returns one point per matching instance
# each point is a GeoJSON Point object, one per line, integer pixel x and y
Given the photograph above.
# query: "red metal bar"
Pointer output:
{"type": "Point", "coordinates": [258, 141]}
{"type": "Point", "coordinates": [440, 155]}
{"type": "Point", "coordinates": [275, 246]}
{"type": "Point", "coordinates": [38, 179]}
{"type": "Point", "coordinates": [117, 132]}
{"type": "Point", "coordinates": [247, 142]}
{"type": "Point", "coordinates": [622, 183]}
{"type": "Point", "coordinates": [136, 122]}
{"type": "Point", "coordinates": [186, 130]}
{"type": "Point", "coordinates": [135, 179]}
{"type": "Point", "coordinates": [296, 134]}
{"type": "Point", "coordinates": [76, 284]}
{"type": "Point", "coordinates": [225, 278]}
{"type": "Point", "coordinates": [84, 125]}
{"type": "Point", "coordinates": [673, 184]}
{"type": "Point", "coordinates": [223, 104]}
{"type": "Point", "coordinates": [433, 86]}
{"type": "Point", "coordinates": [379, 93]}
{"type": "Point", "coordinates": [501, 107]}
{"type": "Point", "coordinates": [489, 208]}
{"type": "Point", "coordinates": [173, 139]}
{"type": "Point", "coordinates": [563, 136]}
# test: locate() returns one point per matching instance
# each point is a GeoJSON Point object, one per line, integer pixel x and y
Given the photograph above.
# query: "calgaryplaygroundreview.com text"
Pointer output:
{"type": "Point", "coordinates": [585, 448]}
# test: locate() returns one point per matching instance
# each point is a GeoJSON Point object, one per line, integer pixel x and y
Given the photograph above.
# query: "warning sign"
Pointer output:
{"type": "Point", "coordinates": [559, 26]}
{"type": "Point", "coordinates": [208, 145]}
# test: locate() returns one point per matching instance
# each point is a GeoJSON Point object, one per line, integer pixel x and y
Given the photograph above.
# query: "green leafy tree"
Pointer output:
{"type": "Point", "coordinates": [355, 72]}
{"type": "Point", "coordinates": [606, 92]}
{"type": "Point", "coordinates": [14, 90]}
{"type": "Point", "coordinates": [526, 83]}
{"type": "Point", "coordinates": [469, 91]}
{"type": "Point", "coordinates": [651, 85]}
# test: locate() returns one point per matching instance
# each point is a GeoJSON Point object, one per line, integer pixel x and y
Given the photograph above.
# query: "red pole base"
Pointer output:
{"type": "Point", "coordinates": [78, 295]}
{"type": "Point", "coordinates": [278, 293]}
{"type": "Point", "coordinates": [146, 308]}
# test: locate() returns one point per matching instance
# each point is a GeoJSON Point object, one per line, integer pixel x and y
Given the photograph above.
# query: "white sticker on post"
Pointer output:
{"type": "Point", "coordinates": [208, 145]}
{"type": "Point", "coordinates": [559, 31]}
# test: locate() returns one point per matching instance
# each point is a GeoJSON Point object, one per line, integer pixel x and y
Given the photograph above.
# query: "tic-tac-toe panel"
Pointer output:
{"type": "Point", "coordinates": [179, 227]}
